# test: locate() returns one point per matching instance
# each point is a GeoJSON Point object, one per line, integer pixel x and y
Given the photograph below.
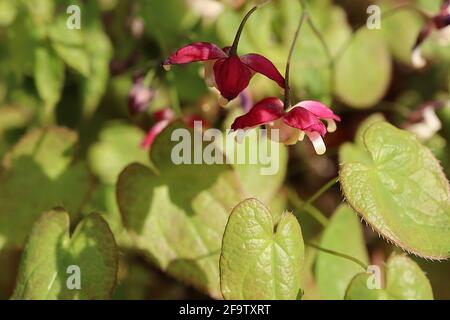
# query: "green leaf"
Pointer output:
{"type": "Point", "coordinates": [260, 259]}
{"type": "Point", "coordinates": [400, 30]}
{"type": "Point", "coordinates": [118, 146]}
{"type": "Point", "coordinates": [70, 45]}
{"type": "Point", "coordinates": [41, 10]}
{"type": "Point", "coordinates": [42, 170]}
{"type": "Point", "coordinates": [263, 178]}
{"type": "Point", "coordinates": [177, 213]}
{"type": "Point", "coordinates": [404, 280]}
{"type": "Point", "coordinates": [401, 192]}
{"type": "Point", "coordinates": [344, 235]}
{"type": "Point", "coordinates": [360, 81]}
{"type": "Point", "coordinates": [8, 12]}
{"type": "Point", "coordinates": [99, 50]}
{"type": "Point", "coordinates": [48, 75]}
{"type": "Point", "coordinates": [50, 252]}
{"type": "Point", "coordinates": [354, 152]}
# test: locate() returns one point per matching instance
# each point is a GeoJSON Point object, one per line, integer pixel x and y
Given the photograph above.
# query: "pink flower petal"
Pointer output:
{"type": "Point", "coordinates": [264, 66]}
{"type": "Point", "coordinates": [232, 76]}
{"type": "Point", "coordinates": [265, 111]}
{"type": "Point", "coordinates": [198, 51]}
{"type": "Point", "coordinates": [445, 7]}
{"type": "Point", "coordinates": [318, 109]}
{"type": "Point", "coordinates": [153, 133]}
{"type": "Point", "coordinates": [305, 120]}
{"type": "Point", "coordinates": [164, 114]}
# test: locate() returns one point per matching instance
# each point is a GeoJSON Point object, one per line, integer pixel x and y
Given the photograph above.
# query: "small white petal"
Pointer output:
{"type": "Point", "coordinates": [301, 136]}
{"type": "Point", "coordinates": [417, 60]}
{"type": "Point", "coordinates": [332, 127]}
{"type": "Point", "coordinates": [167, 67]}
{"type": "Point", "coordinates": [427, 128]}
{"type": "Point", "coordinates": [223, 102]}
{"type": "Point", "coordinates": [443, 36]}
{"type": "Point", "coordinates": [209, 74]}
{"type": "Point", "coordinates": [317, 141]}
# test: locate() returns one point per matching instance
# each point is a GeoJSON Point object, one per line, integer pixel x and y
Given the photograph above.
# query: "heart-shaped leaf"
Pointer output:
{"type": "Point", "coordinates": [41, 170]}
{"type": "Point", "coordinates": [404, 280]}
{"type": "Point", "coordinates": [360, 82]}
{"type": "Point", "coordinates": [261, 258]}
{"type": "Point", "coordinates": [177, 213]}
{"type": "Point", "coordinates": [401, 192]}
{"type": "Point", "coordinates": [355, 152]}
{"type": "Point", "coordinates": [343, 234]}
{"type": "Point", "coordinates": [57, 265]}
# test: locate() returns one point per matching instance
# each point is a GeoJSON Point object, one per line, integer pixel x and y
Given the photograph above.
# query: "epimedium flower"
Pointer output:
{"type": "Point", "coordinates": [140, 96]}
{"type": "Point", "coordinates": [439, 25]}
{"type": "Point", "coordinates": [304, 118]}
{"type": "Point", "coordinates": [225, 70]}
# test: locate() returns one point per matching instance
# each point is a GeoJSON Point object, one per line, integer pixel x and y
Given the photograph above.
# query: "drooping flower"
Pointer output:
{"type": "Point", "coordinates": [305, 118]}
{"type": "Point", "coordinates": [439, 25]}
{"type": "Point", "coordinates": [225, 70]}
{"type": "Point", "coordinates": [424, 122]}
{"type": "Point", "coordinates": [139, 96]}
{"type": "Point", "coordinates": [163, 118]}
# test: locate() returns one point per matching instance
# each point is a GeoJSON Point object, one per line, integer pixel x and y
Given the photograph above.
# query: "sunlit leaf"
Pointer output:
{"type": "Point", "coordinates": [49, 75]}
{"type": "Point", "coordinates": [51, 253]}
{"type": "Point", "coordinates": [177, 213]}
{"type": "Point", "coordinates": [363, 72]}
{"type": "Point", "coordinates": [261, 259]}
{"type": "Point", "coordinates": [118, 146]}
{"type": "Point", "coordinates": [401, 192]}
{"type": "Point", "coordinates": [37, 174]}
{"type": "Point", "coordinates": [404, 280]}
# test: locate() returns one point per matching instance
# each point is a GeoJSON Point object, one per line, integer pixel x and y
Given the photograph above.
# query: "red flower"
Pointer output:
{"type": "Point", "coordinates": [229, 73]}
{"type": "Point", "coordinates": [304, 118]}
{"type": "Point", "coordinates": [439, 23]}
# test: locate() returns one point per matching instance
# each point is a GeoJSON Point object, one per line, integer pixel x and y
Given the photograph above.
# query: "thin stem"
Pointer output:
{"type": "Point", "coordinates": [287, 89]}
{"type": "Point", "coordinates": [309, 209]}
{"type": "Point", "coordinates": [339, 254]}
{"type": "Point", "coordinates": [173, 93]}
{"type": "Point", "coordinates": [234, 46]}
{"type": "Point", "coordinates": [174, 99]}
{"type": "Point", "coordinates": [322, 190]}
{"type": "Point", "coordinates": [331, 62]}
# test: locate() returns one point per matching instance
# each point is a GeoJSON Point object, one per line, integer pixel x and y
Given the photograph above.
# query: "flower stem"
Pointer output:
{"type": "Point", "coordinates": [309, 209]}
{"type": "Point", "coordinates": [287, 89]}
{"type": "Point", "coordinates": [325, 187]}
{"type": "Point", "coordinates": [326, 48]}
{"type": "Point", "coordinates": [234, 46]}
{"type": "Point", "coordinates": [339, 254]}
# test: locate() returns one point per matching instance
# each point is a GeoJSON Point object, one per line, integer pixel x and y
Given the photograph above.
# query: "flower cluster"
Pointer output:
{"type": "Point", "coordinates": [305, 118]}
{"type": "Point", "coordinates": [438, 24]}
{"type": "Point", "coordinates": [227, 72]}
{"type": "Point", "coordinates": [231, 75]}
